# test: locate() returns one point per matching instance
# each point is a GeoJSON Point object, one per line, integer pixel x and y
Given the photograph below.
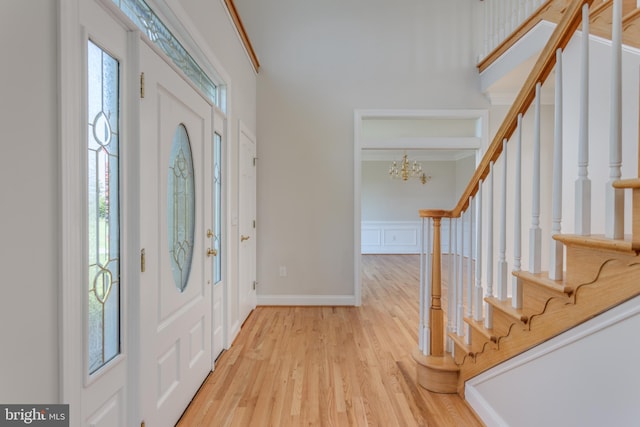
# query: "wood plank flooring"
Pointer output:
{"type": "Point", "coordinates": [330, 366]}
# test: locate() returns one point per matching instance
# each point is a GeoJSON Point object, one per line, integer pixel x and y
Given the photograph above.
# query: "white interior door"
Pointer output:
{"type": "Point", "coordinates": [175, 290]}
{"type": "Point", "coordinates": [247, 223]}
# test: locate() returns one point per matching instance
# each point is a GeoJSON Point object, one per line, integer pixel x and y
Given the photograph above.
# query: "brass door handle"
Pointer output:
{"type": "Point", "coordinates": [243, 238]}
{"type": "Point", "coordinates": [213, 252]}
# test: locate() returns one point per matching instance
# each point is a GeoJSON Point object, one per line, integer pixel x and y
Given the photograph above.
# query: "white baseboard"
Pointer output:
{"type": "Point", "coordinates": [310, 300]}
{"type": "Point", "coordinates": [483, 408]}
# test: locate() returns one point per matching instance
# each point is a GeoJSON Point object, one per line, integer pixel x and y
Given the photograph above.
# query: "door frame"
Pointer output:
{"type": "Point", "coordinates": [72, 158]}
{"type": "Point", "coordinates": [360, 142]}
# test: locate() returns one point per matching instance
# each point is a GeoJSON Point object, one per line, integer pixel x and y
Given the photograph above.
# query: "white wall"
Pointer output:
{"type": "Point", "coordinates": [29, 173]}
{"type": "Point", "coordinates": [386, 199]}
{"type": "Point", "coordinates": [465, 168]}
{"type": "Point", "coordinates": [321, 61]}
{"type": "Point", "coordinates": [585, 377]}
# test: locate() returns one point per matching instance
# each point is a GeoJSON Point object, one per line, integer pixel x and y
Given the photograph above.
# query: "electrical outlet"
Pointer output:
{"type": "Point", "coordinates": [283, 271]}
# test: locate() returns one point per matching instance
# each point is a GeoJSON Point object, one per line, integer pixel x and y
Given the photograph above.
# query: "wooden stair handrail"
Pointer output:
{"type": "Point", "coordinates": [541, 70]}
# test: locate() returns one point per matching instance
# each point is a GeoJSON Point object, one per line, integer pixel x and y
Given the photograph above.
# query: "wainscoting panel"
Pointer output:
{"type": "Point", "coordinates": [396, 237]}
{"type": "Point", "coordinates": [390, 237]}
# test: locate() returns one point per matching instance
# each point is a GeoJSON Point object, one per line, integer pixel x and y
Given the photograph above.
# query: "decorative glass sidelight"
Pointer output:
{"type": "Point", "coordinates": [217, 206]}
{"type": "Point", "coordinates": [103, 207]}
{"type": "Point", "coordinates": [181, 207]}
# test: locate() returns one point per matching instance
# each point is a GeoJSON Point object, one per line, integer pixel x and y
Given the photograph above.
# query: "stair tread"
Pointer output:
{"type": "Point", "coordinates": [507, 308]}
{"type": "Point", "coordinates": [459, 341]}
{"type": "Point", "coordinates": [478, 326]}
{"type": "Point", "coordinates": [542, 279]}
{"type": "Point", "coordinates": [597, 241]}
{"type": "Point", "coordinates": [443, 363]}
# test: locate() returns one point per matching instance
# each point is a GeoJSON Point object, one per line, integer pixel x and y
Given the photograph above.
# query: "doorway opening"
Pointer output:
{"type": "Point", "coordinates": [446, 143]}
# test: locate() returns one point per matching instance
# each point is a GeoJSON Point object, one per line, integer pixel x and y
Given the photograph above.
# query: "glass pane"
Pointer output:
{"type": "Point", "coordinates": [145, 19]}
{"type": "Point", "coordinates": [217, 207]}
{"type": "Point", "coordinates": [181, 207]}
{"type": "Point", "coordinates": [103, 207]}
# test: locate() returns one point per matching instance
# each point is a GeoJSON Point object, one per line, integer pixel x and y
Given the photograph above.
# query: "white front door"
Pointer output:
{"type": "Point", "coordinates": [247, 223]}
{"type": "Point", "coordinates": [175, 289]}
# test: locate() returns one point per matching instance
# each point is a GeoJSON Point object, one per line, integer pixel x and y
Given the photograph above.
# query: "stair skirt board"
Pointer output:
{"type": "Point", "coordinates": [491, 415]}
{"type": "Point", "coordinates": [311, 300]}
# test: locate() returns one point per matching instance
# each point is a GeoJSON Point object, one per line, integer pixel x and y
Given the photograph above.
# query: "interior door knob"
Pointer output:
{"type": "Point", "coordinates": [243, 237]}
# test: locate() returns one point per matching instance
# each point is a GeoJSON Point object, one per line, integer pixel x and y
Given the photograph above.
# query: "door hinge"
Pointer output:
{"type": "Point", "coordinates": [254, 285]}
{"type": "Point", "coordinates": [254, 161]}
{"type": "Point", "coordinates": [254, 223]}
{"type": "Point", "coordinates": [142, 85]}
{"type": "Point", "coordinates": [143, 261]}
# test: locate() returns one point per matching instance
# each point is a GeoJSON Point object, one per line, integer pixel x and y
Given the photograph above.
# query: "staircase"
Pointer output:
{"type": "Point", "coordinates": [485, 322]}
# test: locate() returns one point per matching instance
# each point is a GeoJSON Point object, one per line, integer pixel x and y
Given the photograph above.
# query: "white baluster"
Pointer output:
{"type": "Point", "coordinates": [583, 183]}
{"type": "Point", "coordinates": [488, 318]}
{"type": "Point", "coordinates": [514, 16]}
{"type": "Point", "coordinates": [494, 24]}
{"type": "Point", "coordinates": [487, 25]}
{"type": "Point", "coordinates": [507, 18]}
{"type": "Point", "coordinates": [556, 253]}
{"type": "Point", "coordinates": [615, 197]}
{"type": "Point", "coordinates": [422, 286]}
{"type": "Point", "coordinates": [460, 283]}
{"type": "Point", "coordinates": [470, 271]}
{"type": "Point", "coordinates": [451, 286]}
{"type": "Point", "coordinates": [477, 308]}
{"type": "Point", "coordinates": [516, 284]}
{"type": "Point", "coordinates": [426, 301]}
{"type": "Point", "coordinates": [503, 21]}
{"type": "Point", "coordinates": [535, 233]}
{"type": "Point", "coordinates": [502, 258]}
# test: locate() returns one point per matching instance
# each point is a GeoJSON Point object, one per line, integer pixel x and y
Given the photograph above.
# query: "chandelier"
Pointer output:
{"type": "Point", "coordinates": [408, 170]}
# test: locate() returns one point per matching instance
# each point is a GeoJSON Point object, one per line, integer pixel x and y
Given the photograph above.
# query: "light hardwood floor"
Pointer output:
{"type": "Point", "coordinates": [330, 366]}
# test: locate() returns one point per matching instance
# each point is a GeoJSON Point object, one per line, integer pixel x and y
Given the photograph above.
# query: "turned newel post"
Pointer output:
{"type": "Point", "coordinates": [436, 315]}
{"type": "Point", "coordinates": [435, 311]}
{"type": "Point", "coordinates": [435, 371]}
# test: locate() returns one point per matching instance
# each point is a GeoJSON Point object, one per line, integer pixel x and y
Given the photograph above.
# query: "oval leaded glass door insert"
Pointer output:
{"type": "Point", "coordinates": [181, 212]}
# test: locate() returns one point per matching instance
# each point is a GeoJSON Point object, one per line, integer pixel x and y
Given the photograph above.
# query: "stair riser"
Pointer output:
{"type": "Point", "coordinates": [535, 298]}
{"type": "Point", "coordinates": [584, 264]}
{"type": "Point", "coordinates": [502, 323]}
{"type": "Point", "coordinates": [479, 342]}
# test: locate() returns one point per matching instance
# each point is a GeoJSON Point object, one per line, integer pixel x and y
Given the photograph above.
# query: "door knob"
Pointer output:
{"type": "Point", "coordinates": [243, 238]}
{"type": "Point", "coordinates": [213, 252]}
